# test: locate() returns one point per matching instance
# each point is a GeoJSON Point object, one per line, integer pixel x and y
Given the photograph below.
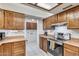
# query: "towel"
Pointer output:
{"type": "Point", "coordinates": [52, 44]}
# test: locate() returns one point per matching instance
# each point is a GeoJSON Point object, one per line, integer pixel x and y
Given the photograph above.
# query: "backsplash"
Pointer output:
{"type": "Point", "coordinates": [13, 32]}
{"type": "Point", "coordinates": [63, 29]}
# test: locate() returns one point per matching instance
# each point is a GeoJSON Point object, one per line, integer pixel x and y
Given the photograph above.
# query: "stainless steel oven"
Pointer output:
{"type": "Point", "coordinates": [58, 49]}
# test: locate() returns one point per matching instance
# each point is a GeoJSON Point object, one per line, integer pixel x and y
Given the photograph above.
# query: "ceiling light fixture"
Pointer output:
{"type": "Point", "coordinates": [47, 6]}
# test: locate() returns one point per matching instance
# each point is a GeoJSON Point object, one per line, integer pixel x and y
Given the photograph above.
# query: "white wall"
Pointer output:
{"type": "Point", "coordinates": [39, 29]}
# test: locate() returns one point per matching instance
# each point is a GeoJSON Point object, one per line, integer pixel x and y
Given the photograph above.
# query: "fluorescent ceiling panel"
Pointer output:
{"type": "Point", "coordinates": [47, 6]}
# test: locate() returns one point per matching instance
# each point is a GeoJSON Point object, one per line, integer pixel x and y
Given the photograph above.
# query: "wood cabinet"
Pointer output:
{"type": "Point", "coordinates": [58, 18]}
{"type": "Point", "coordinates": [19, 21]}
{"type": "Point", "coordinates": [9, 20]}
{"type": "Point", "coordinates": [43, 43]}
{"type": "Point", "coordinates": [31, 25]}
{"type": "Point", "coordinates": [70, 16]}
{"type": "Point", "coordinates": [1, 50]}
{"type": "Point", "coordinates": [1, 19]}
{"type": "Point", "coordinates": [18, 48]}
{"type": "Point", "coordinates": [62, 17]}
{"type": "Point", "coordinates": [7, 49]}
{"type": "Point", "coordinates": [44, 24]}
{"type": "Point", "coordinates": [49, 21]}
{"type": "Point", "coordinates": [14, 21]}
{"type": "Point", "coordinates": [13, 49]}
{"type": "Point", "coordinates": [70, 50]}
{"type": "Point", "coordinates": [73, 18]}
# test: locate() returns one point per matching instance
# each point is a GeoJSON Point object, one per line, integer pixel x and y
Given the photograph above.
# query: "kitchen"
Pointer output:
{"type": "Point", "coordinates": [39, 29]}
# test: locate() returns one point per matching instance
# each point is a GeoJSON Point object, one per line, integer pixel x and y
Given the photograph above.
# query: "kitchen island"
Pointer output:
{"type": "Point", "coordinates": [13, 46]}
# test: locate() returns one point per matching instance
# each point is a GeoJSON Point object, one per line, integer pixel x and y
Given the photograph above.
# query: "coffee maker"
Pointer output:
{"type": "Point", "coordinates": [2, 35]}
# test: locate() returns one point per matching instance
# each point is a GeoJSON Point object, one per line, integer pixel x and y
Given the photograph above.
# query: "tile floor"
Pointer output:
{"type": "Point", "coordinates": [34, 50]}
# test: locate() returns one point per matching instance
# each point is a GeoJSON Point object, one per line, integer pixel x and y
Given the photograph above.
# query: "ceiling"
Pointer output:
{"type": "Point", "coordinates": [56, 8]}
{"type": "Point", "coordinates": [45, 6]}
{"type": "Point", "coordinates": [31, 9]}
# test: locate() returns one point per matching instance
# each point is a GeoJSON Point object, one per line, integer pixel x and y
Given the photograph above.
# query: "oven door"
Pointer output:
{"type": "Point", "coordinates": [58, 49]}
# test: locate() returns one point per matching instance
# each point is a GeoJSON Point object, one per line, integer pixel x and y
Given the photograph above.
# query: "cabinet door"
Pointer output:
{"type": "Point", "coordinates": [41, 42]}
{"type": "Point", "coordinates": [68, 52]}
{"type": "Point", "coordinates": [71, 19]}
{"type": "Point", "coordinates": [49, 21]}
{"type": "Point", "coordinates": [45, 44]}
{"type": "Point", "coordinates": [9, 20]}
{"type": "Point", "coordinates": [1, 19]}
{"type": "Point", "coordinates": [35, 26]}
{"type": "Point", "coordinates": [54, 19]}
{"type": "Point", "coordinates": [19, 21]}
{"type": "Point", "coordinates": [1, 50]}
{"type": "Point", "coordinates": [31, 26]}
{"type": "Point", "coordinates": [28, 25]}
{"type": "Point", "coordinates": [62, 17]}
{"type": "Point", "coordinates": [18, 48]}
{"type": "Point", "coordinates": [7, 49]}
{"type": "Point", "coordinates": [44, 24]}
{"type": "Point", "coordinates": [76, 12]}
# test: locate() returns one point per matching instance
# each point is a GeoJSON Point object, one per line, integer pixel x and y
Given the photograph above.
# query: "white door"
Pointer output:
{"type": "Point", "coordinates": [31, 35]}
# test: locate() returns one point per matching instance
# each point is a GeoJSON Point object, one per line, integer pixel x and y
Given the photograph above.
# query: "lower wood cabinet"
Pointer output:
{"type": "Point", "coordinates": [70, 50]}
{"type": "Point", "coordinates": [18, 48]}
{"type": "Point", "coordinates": [13, 49]}
{"type": "Point", "coordinates": [1, 50]}
{"type": "Point", "coordinates": [7, 49]}
{"type": "Point", "coordinates": [43, 43]}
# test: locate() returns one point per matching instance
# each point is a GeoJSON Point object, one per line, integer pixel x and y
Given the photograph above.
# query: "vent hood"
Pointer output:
{"type": "Point", "coordinates": [59, 24]}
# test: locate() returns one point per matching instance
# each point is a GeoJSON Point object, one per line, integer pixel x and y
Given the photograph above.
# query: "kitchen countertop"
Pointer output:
{"type": "Point", "coordinates": [51, 37]}
{"type": "Point", "coordinates": [73, 42]}
{"type": "Point", "coordinates": [12, 39]}
{"type": "Point", "coordinates": [48, 36]}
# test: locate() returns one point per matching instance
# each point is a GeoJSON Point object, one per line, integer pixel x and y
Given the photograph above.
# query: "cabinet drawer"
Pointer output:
{"type": "Point", "coordinates": [19, 43]}
{"type": "Point", "coordinates": [73, 48]}
{"type": "Point", "coordinates": [19, 54]}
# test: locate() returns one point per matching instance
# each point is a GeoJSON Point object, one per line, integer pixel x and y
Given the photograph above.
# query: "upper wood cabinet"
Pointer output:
{"type": "Point", "coordinates": [61, 17]}
{"type": "Point", "coordinates": [44, 23]}
{"type": "Point", "coordinates": [70, 16]}
{"type": "Point", "coordinates": [19, 21]}
{"type": "Point", "coordinates": [9, 20]}
{"type": "Point", "coordinates": [1, 19]}
{"type": "Point", "coordinates": [31, 26]}
{"type": "Point", "coordinates": [73, 18]}
{"type": "Point", "coordinates": [49, 21]}
{"type": "Point", "coordinates": [14, 21]}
